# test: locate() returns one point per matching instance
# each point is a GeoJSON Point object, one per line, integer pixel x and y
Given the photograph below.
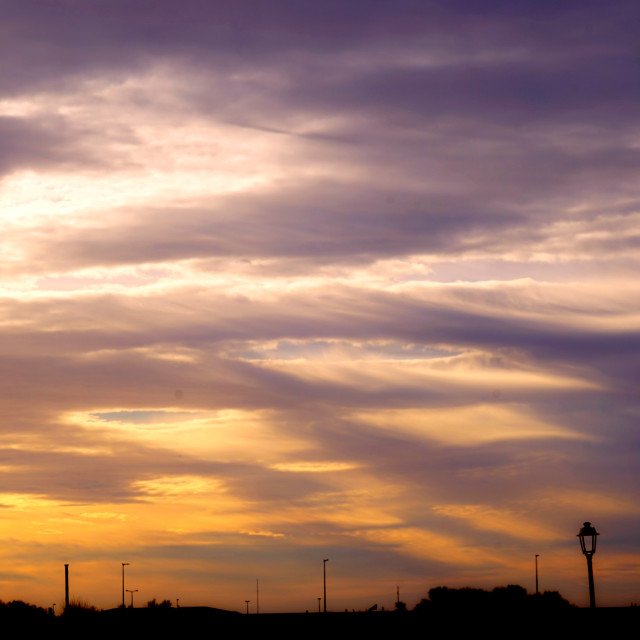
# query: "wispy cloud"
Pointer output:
{"type": "Point", "coordinates": [304, 280]}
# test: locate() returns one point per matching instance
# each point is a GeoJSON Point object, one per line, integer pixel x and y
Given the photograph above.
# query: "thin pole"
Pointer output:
{"type": "Point", "coordinates": [124, 564]}
{"type": "Point", "coordinates": [257, 596]}
{"type": "Point", "coordinates": [319, 604]}
{"type": "Point", "coordinates": [247, 602]}
{"type": "Point", "coordinates": [66, 586]}
{"type": "Point", "coordinates": [324, 582]}
{"type": "Point", "coordinates": [537, 590]}
{"type": "Point", "coordinates": [592, 591]}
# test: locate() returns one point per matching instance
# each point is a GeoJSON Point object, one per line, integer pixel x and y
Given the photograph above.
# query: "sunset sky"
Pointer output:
{"type": "Point", "coordinates": [287, 280]}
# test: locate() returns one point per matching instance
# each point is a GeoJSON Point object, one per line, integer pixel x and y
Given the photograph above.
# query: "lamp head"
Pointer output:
{"type": "Point", "coordinates": [588, 537]}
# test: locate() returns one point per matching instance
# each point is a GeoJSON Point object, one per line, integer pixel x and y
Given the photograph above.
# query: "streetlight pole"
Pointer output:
{"type": "Point", "coordinates": [247, 603]}
{"type": "Point", "coordinates": [588, 538]}
{"type": "Point", "coordinates": [319, 599]}
{"type": "Point", "coordinates": [124, 564]}
{"type": "Point", "coordinates": [132, 591]}
{"type": "Point", "coordinates": [324, 582]}
{"type": "Point", "coordinates": [66, 586]}
{"type": "Point", "coordinates": [537, 591]}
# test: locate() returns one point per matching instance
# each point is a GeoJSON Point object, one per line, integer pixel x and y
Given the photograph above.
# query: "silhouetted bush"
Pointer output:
{"type": "Point", "coordinates": [165, 604]}
{"type": "Point", "coordinates": [79, 607]}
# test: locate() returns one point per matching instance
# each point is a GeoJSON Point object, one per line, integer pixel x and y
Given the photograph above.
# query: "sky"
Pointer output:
{"type": "Point", "coordinates": [284, 281]}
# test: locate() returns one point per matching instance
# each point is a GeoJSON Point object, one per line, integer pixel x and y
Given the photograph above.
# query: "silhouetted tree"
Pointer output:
{"type": "Point", "coordinates": [465, 598]}
{"type": "Point", "coordinates": [512, 596]}
{"type": "Point", "coordinates": [423, 606]}
{"type": "Point", "coordinates": [20, 609]}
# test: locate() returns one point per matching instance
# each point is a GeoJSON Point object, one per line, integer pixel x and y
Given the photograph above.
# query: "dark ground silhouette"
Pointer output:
{"type": "Point", "coordinates": [504, 612]}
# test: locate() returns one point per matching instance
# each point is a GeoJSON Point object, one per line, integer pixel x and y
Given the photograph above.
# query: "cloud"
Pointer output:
{"type": "Point", "coordinates": [288, 281]}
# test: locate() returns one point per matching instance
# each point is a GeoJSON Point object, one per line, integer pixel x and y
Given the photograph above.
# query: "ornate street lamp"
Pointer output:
{"type": "Point", "coordinates": [588, 538]}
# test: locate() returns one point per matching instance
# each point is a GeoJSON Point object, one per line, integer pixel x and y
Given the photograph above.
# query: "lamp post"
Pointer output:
{"type": "Point", "coordinates": [537, 590]}
{"type": "Point", "coordinates": [247, 603]}
{"type": "Point", "coordinates": [132, 591]}
{"type": "Point", "coordinates": [324, 583]}
{"type": "Point", "coordinates": [66, 586]}
{"type": "Point", "coordinates": [319, 599]}
{"type": "Point", "coordinates": [588, 537]}
{"type": "Point", "coordinates": [124, 564]}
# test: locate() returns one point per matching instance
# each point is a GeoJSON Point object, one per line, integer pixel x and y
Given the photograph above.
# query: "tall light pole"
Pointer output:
{"type": "Point", "coordinates": [319, 599]}
{"type": "Point", "coordinates": [124, 564]}
{"type": "Point", "coordinates": [132, 591]}
{"type": "Point", "coordinates": [537, 591]}
{"type": "Point", "coordinates": [247, 603]}
{"type": "Point", "coordinates": [66, 586]}
{"type": "Point", "coordinates": [324, 582]}
{"type": "Point", "coordinates": [588, 538]}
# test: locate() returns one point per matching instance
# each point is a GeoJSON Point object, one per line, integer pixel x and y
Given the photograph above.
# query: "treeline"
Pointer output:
{"type": "Point", "coordinates": [511, 597]}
